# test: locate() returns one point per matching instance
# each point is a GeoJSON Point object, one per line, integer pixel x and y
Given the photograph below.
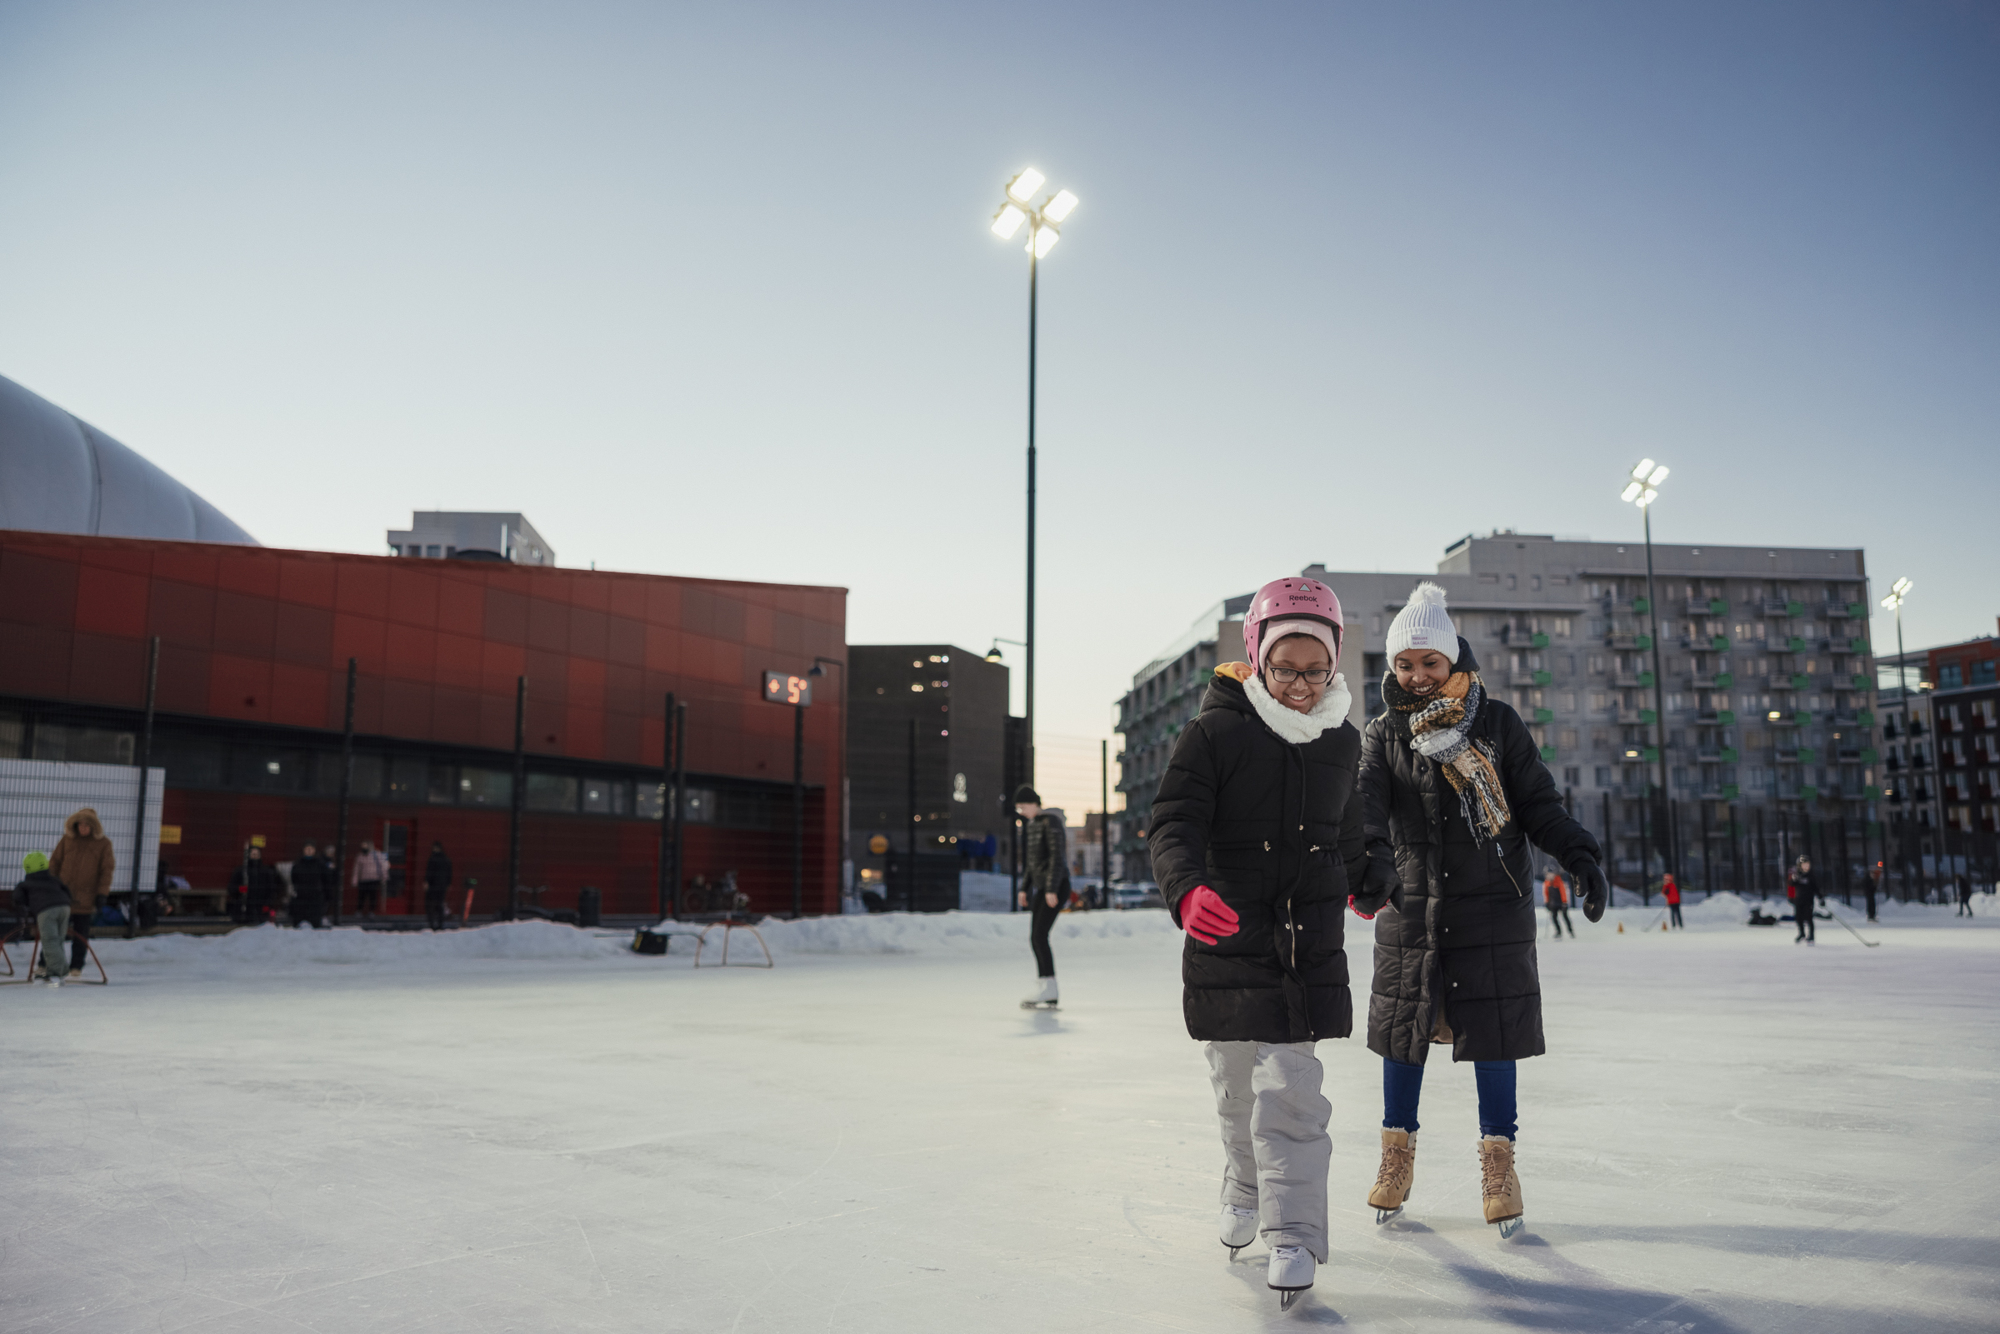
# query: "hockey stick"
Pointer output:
{"type": "Point", "coordinates": [1871, 944]}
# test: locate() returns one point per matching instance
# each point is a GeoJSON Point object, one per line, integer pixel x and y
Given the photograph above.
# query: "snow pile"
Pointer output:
{"type": "Point", "coordinates": [950, 932]}
{"type": "Point", "coordinates": [274, 948]}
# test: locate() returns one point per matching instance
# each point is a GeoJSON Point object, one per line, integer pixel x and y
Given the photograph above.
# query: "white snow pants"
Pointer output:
{"type": "Point", "coordinates": [1267, 1095]}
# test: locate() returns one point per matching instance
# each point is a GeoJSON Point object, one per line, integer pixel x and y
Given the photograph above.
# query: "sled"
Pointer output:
{"type": "Point", "coordinates": [730, 926]}
{"type": "Point", "coordinates": [28, 978]}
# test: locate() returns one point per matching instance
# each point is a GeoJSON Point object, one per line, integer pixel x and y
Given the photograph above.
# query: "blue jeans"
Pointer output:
{"type": "Point", "coordinates": [1403, 1085]}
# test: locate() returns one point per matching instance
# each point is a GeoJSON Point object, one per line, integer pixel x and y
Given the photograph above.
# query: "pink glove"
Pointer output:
{"type": "Point", "coordinates": [1205, 916]}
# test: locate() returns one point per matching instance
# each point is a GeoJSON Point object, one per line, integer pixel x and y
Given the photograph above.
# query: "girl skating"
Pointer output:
{"type": "Point", "coordinates": [1453, 785]}
{"type": "Point", "coordinates": [1256, 843]}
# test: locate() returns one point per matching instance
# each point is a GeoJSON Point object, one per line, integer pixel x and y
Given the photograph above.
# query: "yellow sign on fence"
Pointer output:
{"type": "Point", "coordinates": [170, 833]}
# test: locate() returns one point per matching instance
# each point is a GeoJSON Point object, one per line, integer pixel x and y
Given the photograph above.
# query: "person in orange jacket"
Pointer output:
{"type": "Point", "coordinates": [1672, 892]}
{"type": "Point", "coordinates": [1556, 894]}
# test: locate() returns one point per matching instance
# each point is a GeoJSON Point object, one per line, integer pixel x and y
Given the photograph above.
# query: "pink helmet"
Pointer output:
{"type": "Point", "coordinates": [1295, 599]}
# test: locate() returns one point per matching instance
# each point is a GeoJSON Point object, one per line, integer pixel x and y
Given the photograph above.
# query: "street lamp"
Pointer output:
{"type": "Point", "coordinates": [820, 664]}
{"type": "Point", "coordinates": [993, 654]}
{"type": "Point", "coordinates": [1044, 223]}
{"type": "Point", "coordinates": [1642, 488]}
{"type": "Point", "coordinates": [1899, 592]}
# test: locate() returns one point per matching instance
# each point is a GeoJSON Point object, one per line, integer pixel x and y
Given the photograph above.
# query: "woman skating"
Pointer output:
{"type": "Point", "coordinates": [1452, 782]}
{"type": "Point", "coordinates": [1256, 843]}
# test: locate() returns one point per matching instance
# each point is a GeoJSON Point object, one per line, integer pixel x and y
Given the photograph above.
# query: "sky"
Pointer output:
{"type": "Point", "coordinates": [709, 290]}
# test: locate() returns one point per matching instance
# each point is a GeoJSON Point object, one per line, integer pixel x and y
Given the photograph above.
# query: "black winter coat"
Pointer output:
{"type": "Point", "coordinates": [40, 892]}
{"type": "Point", "coordinates": [1463, 942]}
{"type": "Point", "coordinates": [437, 873]}
{"type": "Point", "coordinates": [1804, 890]}
{"type": "Point", "coordinates": [311, 877]}
{"type": "Point", "coordinates": [1271, 827]}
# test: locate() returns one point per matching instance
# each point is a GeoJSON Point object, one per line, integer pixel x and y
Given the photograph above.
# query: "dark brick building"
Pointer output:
{"type": "Point", "coordinates": [252, 681]}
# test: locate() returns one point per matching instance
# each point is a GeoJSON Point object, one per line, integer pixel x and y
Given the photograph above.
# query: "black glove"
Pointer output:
{"type": "Point", "coordinates": [1590, 883]}
{"type": "Point", "coordinates": [1379, 885]}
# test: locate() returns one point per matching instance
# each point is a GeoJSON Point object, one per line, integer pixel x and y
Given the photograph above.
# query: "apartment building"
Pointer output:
{"type": "Point", "coordinates": [1766, 679]}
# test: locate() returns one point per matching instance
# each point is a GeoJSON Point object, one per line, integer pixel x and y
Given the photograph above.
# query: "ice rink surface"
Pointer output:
{"type": "Point", "coordinates": [1730, 1133]}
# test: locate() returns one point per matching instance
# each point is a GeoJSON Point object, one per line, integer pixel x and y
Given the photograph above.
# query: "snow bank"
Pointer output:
{"type": "Point", "coordinates": [268, 949]}
{"type": "Point", "coordinates": [955, 932]}
{"type": "Point", "coordinates": [274, 948]}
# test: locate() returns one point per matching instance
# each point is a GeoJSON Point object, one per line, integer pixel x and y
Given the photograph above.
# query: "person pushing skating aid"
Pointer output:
{"type": "Point", "coordinates": [1454, 789]}
{"type": "Point", "coordinates": [1257, 844]}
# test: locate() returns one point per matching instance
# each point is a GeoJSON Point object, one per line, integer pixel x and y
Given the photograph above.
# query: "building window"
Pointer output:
{"type": "Point", "coordinates": [550, 792]}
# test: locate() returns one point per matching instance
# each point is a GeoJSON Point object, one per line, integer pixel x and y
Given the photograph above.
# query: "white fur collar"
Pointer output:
{"type": "Point", "coordinates": [1293, 726]}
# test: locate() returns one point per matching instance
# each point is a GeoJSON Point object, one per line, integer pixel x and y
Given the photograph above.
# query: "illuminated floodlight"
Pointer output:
{"type": "Point", "coordinates": [1044, 240]}
{"type": "Point", "coordinates": [1008, 221]}
{"type": "Point", "coordinates": [1643, 486]}
{"type": "Point", "coordinates": [1900, 591]}
{"type": "Point", "coordinates": [1645, 467]}
{"type": "Point", "coordinates": [1022, 188]}
{"type": "Point", "coordinates": [1659, 475]}
{"type": "Point", "coordinates": [1060, 207]}
{"type": "Point", "coordinates": [1632, 489]}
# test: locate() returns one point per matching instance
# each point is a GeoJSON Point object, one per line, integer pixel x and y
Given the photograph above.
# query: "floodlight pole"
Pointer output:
{"type": "Point", "coordinates": [1671, 860]}
{"type": "Point", "coordinates": [1034, 266]}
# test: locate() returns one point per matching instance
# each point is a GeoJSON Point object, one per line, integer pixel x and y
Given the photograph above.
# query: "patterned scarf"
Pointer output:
{"type": "Point", "coordinates": [1441, 730]}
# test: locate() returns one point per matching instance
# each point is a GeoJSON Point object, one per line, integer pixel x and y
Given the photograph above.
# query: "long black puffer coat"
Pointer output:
{"type": "Point", "coordinates": [1272, 827]}
{"type": "Point", "coordinates": [1464, 938]}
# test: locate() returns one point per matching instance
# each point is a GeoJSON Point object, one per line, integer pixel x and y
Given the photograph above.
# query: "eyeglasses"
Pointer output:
{"type": "Point", "coordinates": [1284, 676]}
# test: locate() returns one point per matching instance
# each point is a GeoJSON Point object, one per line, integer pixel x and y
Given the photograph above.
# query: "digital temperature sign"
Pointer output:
{"type": "Point", "coordinates": [784, 688]}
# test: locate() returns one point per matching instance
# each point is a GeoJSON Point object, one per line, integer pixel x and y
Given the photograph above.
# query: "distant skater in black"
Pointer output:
{"type": "Point", "coordinates": [1803, 892]}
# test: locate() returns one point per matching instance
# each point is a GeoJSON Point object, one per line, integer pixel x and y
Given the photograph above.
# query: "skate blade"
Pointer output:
{"type": "Point", "coordinates": [1384, 1215]}
{"type": "Point", "coordinates": [1038, 1005]}
{"type": "Point", "coordinates": [1509, 1226]}
{"type": "Point", "coordinates": [1232, 1252]}
{"type": "Point", "coordinates": [1286, 1296]}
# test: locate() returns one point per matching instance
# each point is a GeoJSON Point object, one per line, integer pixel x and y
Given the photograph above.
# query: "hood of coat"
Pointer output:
{"type": "Point", "coordinates": [1236, 687]}
{"type": "Point", "coordinates": [84, 824]}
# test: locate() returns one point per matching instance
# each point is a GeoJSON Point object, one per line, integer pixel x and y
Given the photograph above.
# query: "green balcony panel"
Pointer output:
{"type": "Point", "coordinates": [1646, 679]}
{"type": "Point", "coordinates": [1652, 755]}
{"type": "Point", "coordinates": [1641, 605]}
{"type": "Point", "coordinates": [1539, 641]}
{"type": "Point", "coordinates": [1724, 680]}
{"type": "Point", "coordinates": [1648, 717]}
{"type": "Point", "coordinates": [1857, 645]}
{"type": "Point", "coordinates": [1808, 792]}
{"type": "Point", "coordinates": [1856, 609]}
{"type": "Point", "coordinates": [1807, 755]}
{"type": "Point", "coordinates": [1865, 718]}
{"type": "Point", "coordinates": [1717, 607]}
{"type": "Point", "coordinates": [1720, 643]}
{"type": "Point", "coordinates": [1800, 681]}
{"type": "Point", "coordinates": [1730, 791]}
{"type": "Point", "coordinates": [1545, 715]}
{"type": "Point", "coordinates": [1795, 645]}
{"type": "Point", "coordinates": [1726, 717]}
{"type": "Point", "coordinates": [1729, 754]}
{"type": "Point", "coordinates": [1795, 609]}
{"type": "Point", "coordinates": [1862, 682]}
{"type": "Point", "coordinates": [1548, 754]}
{"type": "Point", "coordinates": [1802, 717]}
{"type": "Point", "coordinates": [1870, 755]}
{"type": "Point", "coordinates": [1642, 641]}
{"type": "Point", "coordinates": [1543, 678]}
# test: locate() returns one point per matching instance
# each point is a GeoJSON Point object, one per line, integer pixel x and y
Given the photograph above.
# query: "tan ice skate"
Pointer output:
{"type": "Point", "coordinates": [1398, 1174]}
{"type": "Point", "coordinates": [1498, 1184]}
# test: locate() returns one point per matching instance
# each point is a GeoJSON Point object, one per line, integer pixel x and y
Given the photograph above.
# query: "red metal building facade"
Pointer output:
{"type": "Point", "coordinates": [255, 644]}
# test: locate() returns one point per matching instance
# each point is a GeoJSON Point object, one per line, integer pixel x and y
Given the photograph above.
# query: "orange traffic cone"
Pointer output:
{"type": "Point", "coordinates": [1621, 928]}
{"type": "Point", "coordinates": [1663, 926]}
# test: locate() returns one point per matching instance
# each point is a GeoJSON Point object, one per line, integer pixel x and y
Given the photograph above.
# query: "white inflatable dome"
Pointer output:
{"type": "Point", "coordinates": [61, 475]}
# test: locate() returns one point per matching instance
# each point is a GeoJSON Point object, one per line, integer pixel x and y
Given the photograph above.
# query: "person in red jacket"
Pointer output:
{"type": "Point", "coordinates": [1672, 892]}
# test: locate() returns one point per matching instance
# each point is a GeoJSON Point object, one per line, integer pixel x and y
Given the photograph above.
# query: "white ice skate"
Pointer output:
{"type": "Point", "coordinates": [1291, 1273]}
{"type": "Point", "coordinates": [1044, 997]}
{"type": "Point", "coordinates": [54, 981]}
{"type": "Point", "coordinates": [1239, 1228]}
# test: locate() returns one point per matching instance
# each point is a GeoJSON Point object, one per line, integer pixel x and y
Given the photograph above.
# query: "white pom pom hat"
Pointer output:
{"type": "Point", "coordinates": [1424, 624]}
